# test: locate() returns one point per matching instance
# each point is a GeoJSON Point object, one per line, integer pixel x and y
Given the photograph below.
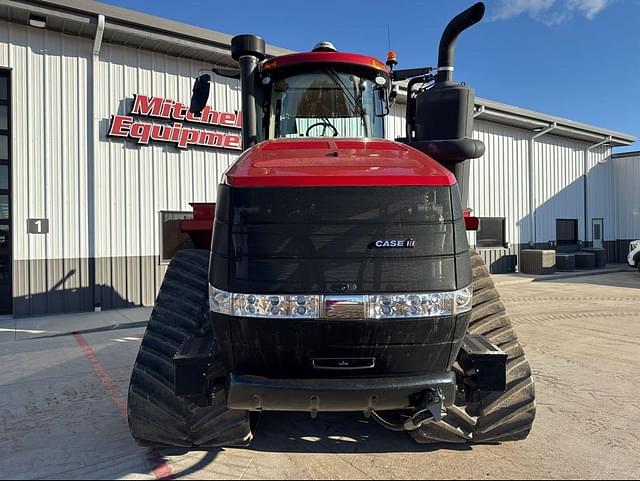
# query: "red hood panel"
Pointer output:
{"type": "Point", "coordinates": [330, 163]}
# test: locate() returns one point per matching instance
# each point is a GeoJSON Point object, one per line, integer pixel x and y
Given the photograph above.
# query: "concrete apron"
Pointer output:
{"type": "Point", "coordinates": [518, 278]}
{"type": "Point", "coordinates": [65, 324]}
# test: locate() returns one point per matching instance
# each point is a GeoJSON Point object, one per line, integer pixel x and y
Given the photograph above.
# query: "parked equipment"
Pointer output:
{"type": "Point", "coordinates": [633, 258]}
{"type": "Point", "coordinates": [338, 276]}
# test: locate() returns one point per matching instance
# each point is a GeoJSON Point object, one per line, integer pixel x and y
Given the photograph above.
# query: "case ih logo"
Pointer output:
{"type": "Point", "coordinates": [394, 244]}
{"type": "Point", "coordinates": [177, 133]}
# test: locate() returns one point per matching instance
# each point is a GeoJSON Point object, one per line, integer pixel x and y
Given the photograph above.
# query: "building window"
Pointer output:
{"type": "Point", "coordinates": [6, 296]}
{"type": "Point", "coordinates": [172, 239]}
{"type": "Point", "coordinates": [491, 232]}
{"type": "Point", "coordinates": [566, 231]}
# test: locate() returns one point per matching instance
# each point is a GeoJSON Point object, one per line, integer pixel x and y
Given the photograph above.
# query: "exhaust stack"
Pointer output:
{"type": "Point", "coordinates": [456, 26]}
{"type": "Point", "coordinates": [440, 119]}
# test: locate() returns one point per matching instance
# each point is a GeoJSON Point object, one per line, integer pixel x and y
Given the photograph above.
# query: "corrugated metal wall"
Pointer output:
{"type": "Point", "coordinates": [498, 181]}
{"type": "Point", "coordinates": [49, 153]}
{"type": "Point", "coordinates": [102, 198]}
{"type": "Point", "coordinates": [626, 178]}
{"type": "Point", "coordinates": [144, 180]}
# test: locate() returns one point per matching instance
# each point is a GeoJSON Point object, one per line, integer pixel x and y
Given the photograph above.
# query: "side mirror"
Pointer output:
{"type": "Point", "coordinates": [200, 95]}
{"type": "Point", "coordinates": [393, 95]}
{"type": "Point", "coordinates": [381, 104]}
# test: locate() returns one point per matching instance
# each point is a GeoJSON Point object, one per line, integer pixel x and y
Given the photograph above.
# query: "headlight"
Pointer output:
{"type": "Point", "coordinates": [270, 305]}
{"type": "Point", "coordinates": [264, 305]}
{"type": "Point", "coordinates": [375, 306]}
{"type": "Point", "coordinates": [464, 300]}
{"type": "Point", "coordinates": [219, 300]}
{"type": "Point", "coordinates": [410, 305]}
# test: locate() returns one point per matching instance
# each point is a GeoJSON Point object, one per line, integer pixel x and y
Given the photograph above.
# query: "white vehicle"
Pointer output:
{"type": "Point", "coordinates": [634, 254]}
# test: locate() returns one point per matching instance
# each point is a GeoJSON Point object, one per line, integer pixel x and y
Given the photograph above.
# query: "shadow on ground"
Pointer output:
{"type": "Point", "coordinates": [330, 433]}
{"type": "Point", "coordinates": [628, 279]}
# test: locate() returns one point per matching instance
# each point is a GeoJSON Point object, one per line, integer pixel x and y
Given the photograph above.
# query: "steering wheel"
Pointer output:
{"type": "Point", "coordinates": [324, 130]}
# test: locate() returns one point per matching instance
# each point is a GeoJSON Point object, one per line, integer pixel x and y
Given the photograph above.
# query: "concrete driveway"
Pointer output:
{"type": "Point", "coordinates": [62, 405]}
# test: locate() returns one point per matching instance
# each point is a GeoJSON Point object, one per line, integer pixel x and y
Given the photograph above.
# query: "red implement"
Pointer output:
{"type": "Point", "coordinates": [201, 226]}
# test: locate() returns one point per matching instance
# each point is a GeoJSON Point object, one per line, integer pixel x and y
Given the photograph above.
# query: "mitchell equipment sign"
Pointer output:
{"type": "Point", "coordinates": [182, 136]}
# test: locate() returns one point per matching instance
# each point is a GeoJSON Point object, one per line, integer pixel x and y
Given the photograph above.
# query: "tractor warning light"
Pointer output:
{"type": "Point", "coordinates": [392, 59]}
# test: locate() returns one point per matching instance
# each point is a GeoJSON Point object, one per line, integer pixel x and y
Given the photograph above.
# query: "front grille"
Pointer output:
{"type": "Point", "coordinates": [319, 240]}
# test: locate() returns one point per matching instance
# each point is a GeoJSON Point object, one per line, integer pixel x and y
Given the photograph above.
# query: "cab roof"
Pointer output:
{"type": "Point", "coordinates": [310, 58]}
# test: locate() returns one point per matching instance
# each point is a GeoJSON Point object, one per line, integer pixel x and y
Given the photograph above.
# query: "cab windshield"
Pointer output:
{"type": "Point", "coordinates": [327, 103]}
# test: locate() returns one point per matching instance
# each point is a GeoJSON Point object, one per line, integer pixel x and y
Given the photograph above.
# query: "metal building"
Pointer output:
{"type": "Point", "coordinates": [626, 179]}
{"type": "Point", "coordinates": [89, 205]}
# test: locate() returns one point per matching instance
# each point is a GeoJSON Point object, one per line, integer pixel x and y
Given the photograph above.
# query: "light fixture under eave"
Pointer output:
{"type": "Point", "coordinates": [37, 21]}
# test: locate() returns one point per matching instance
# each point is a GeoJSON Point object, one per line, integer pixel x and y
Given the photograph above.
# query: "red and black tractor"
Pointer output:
{"type": "Point", "coordinates": [335, 274]}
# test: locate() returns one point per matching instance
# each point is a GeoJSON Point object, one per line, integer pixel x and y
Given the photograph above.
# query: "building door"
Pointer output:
{"type": "Point", "coordinates": [598, 233]}
{"type": "Point", "coordinates": [5, 195]}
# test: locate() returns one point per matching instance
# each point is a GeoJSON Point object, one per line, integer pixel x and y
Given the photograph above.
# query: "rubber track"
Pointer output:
{"type": "Point", "coordinates": [157, 417]}
{"type": "Point", "coordinates": [504, 416]}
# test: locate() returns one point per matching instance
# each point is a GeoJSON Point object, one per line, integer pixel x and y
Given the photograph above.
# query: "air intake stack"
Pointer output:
{"type": "Point", "coordinates": [248, 51]}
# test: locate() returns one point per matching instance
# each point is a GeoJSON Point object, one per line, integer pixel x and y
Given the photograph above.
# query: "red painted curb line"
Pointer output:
{"type": "Point", "coordinates": [161, 470]}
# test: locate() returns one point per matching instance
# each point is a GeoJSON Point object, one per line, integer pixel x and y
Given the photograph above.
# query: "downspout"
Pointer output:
{"type": "Point", "coordinates": [97, 41]}
{"type": "Point", "coordinates": [532, 197]}
{"type": "Point", "coordinates": [93, 135]}
{"type": "Point", "coordinates": [585, 189]}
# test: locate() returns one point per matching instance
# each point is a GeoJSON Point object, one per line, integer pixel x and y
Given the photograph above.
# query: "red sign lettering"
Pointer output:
{"type": "Point", "coordinates": [182, 136]}
{"type": "Point", "coordinates": [178, 134]}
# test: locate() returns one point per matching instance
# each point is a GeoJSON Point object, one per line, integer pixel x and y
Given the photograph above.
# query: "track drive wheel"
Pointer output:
{"type": "Point", "coordinates": [157, 417]}
{"type": "Point", "coordinates": [496, 417]}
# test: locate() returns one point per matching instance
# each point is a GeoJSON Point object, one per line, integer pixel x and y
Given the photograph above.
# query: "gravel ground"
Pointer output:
{"type": "Point", "coordinates": [62, 410]}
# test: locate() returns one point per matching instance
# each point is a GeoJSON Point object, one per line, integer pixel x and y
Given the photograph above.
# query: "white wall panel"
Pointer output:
{"type": "Point", "coordinates": [499, 181]}
{"type": "Point", "coordinates": [601, 192]}
{"type": "Point", "coordinates": [626, 174]}
{"type": "Point", "coordinates": [49, 125]}
{"type": "Point", "coordinates": [145, 180]}
{"type": "Point", "coordinates": [395, 123]}
{"type": "Point", "coordinates": [559, 185]}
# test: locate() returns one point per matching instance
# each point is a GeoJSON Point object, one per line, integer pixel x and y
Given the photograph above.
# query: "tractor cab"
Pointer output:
{"type": "Point", "coordinates": [323, 93]}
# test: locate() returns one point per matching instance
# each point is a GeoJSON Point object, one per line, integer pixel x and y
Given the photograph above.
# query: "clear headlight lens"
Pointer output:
{"type": "Point", "coordinates": [304, 306]}
{"type": "Point", "coordinates": [219, 300]}
{"type": "Point", "coordinates": [271, 305]}
{"type": "Point", "coordinates": [264, 305]}
{"type": "Point", "coordinates": [464, 300]}
{"type": "Point", "coordinates": [411, 305]}
{"type": "Point", "coordinates": [252, 305]}
{"type": "Point", "coordinates": [379, 306]}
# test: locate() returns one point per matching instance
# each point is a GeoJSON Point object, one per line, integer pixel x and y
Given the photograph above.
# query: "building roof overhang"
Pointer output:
{"type": "Point", "coordinates": [130, 28]}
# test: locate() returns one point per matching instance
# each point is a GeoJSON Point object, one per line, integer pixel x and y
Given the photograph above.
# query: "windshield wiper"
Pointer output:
{"type": "Point", "coordinates": [354, 101]}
